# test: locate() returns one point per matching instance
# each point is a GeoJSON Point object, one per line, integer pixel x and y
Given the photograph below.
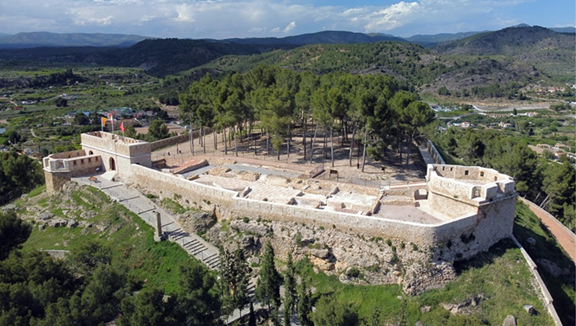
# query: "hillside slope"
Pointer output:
{"type": "Point", "coordinates": [542, 47]}
{"type": "Point", "coordinates": [35, 39]}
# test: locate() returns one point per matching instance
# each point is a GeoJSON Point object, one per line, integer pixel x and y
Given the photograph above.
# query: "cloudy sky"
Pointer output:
{"type": "Point", "coordinates": [277, 18]}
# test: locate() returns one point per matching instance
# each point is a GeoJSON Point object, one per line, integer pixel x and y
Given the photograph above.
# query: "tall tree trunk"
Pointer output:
{"type": "Point", "coordinates": [399, 140]}
{"type": "Point", "coordinates": [203, 136]}
{"type": "Point", "coordinates": [325, 144]}
{"type": "Point", "coordinates": [312, 144]}
{"type": "Point", "coordinates": [351, 145]}
{"type": "Point", "coordinates": [267, 143]}
{"type": "Point", "coordinates": [192, 139]}
{"type": "Point", "coordinates": [215, 139]}
{"type": "Point", "coordinates": [200, 140]}
{"type": "Point", "coordinates": [225, 142]}
{"type": "Point", "coordinates": [332, 145]}
{"type": "Point", "coordinates": [304, 136]}
{"type": "Point", "coordinates": [344, 132]}
{"type": "Point", "coordinates": [364, 150]}
{"type": "Point", "coordinates": [235, 141]}
{"type": "Point", "coordinates": [408, 150]}
{"type": "Point", "coordinates": [288, 142]}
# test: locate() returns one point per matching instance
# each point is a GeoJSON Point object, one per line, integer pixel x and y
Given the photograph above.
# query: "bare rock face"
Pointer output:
{"type": "Point", "coordinates": [60, 222]}
{"type": "Point", "coordinates": [241, 226]}
{"type": "Point", "coordinates": [353, 258]}
{"type": "Point", "coordinates": [320, 253]}
{"type": "Point", "coordinates": [421, 277]}
{"type": "Point", "coordinates": [196, 221]}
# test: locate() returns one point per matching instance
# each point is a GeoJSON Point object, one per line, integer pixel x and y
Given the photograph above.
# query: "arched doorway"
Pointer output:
{"type": "Point", "coordinates": [112, 164]}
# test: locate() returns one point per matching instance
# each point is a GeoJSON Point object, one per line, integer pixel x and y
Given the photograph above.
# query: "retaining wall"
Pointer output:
{"type": "Point", "coordinates": [227, 204]}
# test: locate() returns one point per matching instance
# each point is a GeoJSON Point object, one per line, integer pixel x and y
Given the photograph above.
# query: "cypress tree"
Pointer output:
{"type": "Point", "coordinates": [269, 281]}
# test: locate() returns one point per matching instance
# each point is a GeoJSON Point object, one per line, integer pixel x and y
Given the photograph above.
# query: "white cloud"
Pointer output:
{"type": "Point", "coordinates": [290, 27]}
{"type": "Point", "coordinates": [243, 18]}
{"type": "Point", "coordinates": [185, 13]}
{"type": "Point", "coordinates": [257, 30]}
{"type": "Point", "coordinates": [393, 16]}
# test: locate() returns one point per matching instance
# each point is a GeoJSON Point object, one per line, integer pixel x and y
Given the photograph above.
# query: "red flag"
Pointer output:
{"type": "Point", "coordinates": [122, 127]}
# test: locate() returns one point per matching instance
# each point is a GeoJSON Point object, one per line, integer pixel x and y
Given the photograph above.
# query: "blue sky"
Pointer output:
{"type": "Point", "coordinates": [277, 18]}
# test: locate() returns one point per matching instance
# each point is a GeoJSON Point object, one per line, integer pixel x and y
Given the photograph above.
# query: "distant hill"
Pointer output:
{"type": "Point", "coordinates": [159, 57]}
{"type": "Point", "coordinates": [324, 37]}
{"type": "Point", "coordinates": [168, 56]}
{"type": "Point", "coordinates": [430, 40]}
{"type": "Point", "coordinates": [568, 30]}
{"type": "Point", "coordinates": [36, 39]}
{"type": "Point", "coordinates": [508, 41]}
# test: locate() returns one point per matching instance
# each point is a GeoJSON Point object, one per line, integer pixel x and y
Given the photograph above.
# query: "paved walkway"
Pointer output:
{"type": "Point", "coordinates": [137, 203]}
{"type": "Point", "coordinates": [563, 235]}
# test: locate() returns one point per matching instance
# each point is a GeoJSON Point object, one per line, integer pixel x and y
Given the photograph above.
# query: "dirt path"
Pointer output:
{"type": "Point", "coordinates": [564, 237]}
{"type": "Point", "coordinates": [376, 173]}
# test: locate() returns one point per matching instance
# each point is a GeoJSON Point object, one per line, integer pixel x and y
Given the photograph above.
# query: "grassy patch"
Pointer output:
{"type": "Point", "coordinates": [501, 276]}
{"type": "Point", "coordinates": [112, 225]}
{"type": "Point", "coordinates": [449, 159]}
{"type": "Point", "coordinates": [37, 191]}
{"type": "Point", "coordinates": [527, 225]}
{"type": "Point", "coordinates": [173, 206]}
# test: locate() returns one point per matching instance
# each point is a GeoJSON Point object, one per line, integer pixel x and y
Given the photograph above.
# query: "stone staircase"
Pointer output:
{"type": "Point", "coordinates": [195, 247]}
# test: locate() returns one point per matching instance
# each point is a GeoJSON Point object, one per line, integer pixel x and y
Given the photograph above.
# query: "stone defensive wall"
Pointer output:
{"type": "Point", "coordinates": [484, 193]}
{"type": "Point", "coordinates": [434, 153]}
{"type": "Point", "coordinates": [118, 153]}
{"type": "Point", "coordinates": [118, 145]}
{"type": "Point", "coordinates": [459, 238]}
{"type": "Point", "coordinates": [60, 167]}
{"type": "Point", "coordinates": [176, 139]}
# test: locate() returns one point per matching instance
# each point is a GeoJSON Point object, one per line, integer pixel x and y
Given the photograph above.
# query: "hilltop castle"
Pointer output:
{"type": "Point", "coordinates": [461, 209]}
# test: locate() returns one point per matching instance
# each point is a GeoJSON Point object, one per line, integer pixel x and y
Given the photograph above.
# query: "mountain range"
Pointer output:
{"type": "Point", "coordinates": [508, 59]}
{"type": "Point", "coordinates": [43, 39]}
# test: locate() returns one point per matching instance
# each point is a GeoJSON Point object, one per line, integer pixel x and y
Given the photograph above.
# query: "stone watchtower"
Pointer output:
{"type": "Point", "coordinates": [482, 200]}
{"type": "Point", "coordinates": [101, 152]}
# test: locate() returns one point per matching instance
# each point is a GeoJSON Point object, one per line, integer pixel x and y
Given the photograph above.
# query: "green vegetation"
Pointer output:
{"type": "Point", "coordinates": [18, 175]}
{"type": "Point", "coordinates": [111, 256]}
{"type": "Point", "coordinates": [550, 184]}
{"type": "Point", "coordinates": [375, 110]}
{"type": "Point", "coordinates": [561, 287]}
{"type": "Point", "coordinates": [501, 276]}
{"type": "Point", "coordinates": [127, 237]}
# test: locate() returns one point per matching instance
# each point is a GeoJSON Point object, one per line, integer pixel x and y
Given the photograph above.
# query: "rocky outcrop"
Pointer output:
{"type": "Point", "coordinates": [420, 277]}
{"type": "Point", "coordinates": [464, 307]}
{"type": "Point", "coordinates": [509, 321]}
{"type": "Point", "coordinates": [197, 222]}
{"type": "Point", "coordinates": [352, 257]}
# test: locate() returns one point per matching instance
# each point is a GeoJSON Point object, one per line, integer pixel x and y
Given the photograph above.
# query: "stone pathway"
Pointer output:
{"type": "Point", "coordinates": [137, 203]}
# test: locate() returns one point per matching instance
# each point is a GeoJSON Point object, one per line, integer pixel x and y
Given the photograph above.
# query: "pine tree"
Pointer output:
{"type": "Point", "coordinates": [305, 304]}
{"type": "Point", "coordinates": [290, 294]}
{"type": "Point", "coordinates": [252, 316]}
{"type": "Point", "coordinates": [269, 281]}
{"type": "Point", "coordinates": [234, 278]}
